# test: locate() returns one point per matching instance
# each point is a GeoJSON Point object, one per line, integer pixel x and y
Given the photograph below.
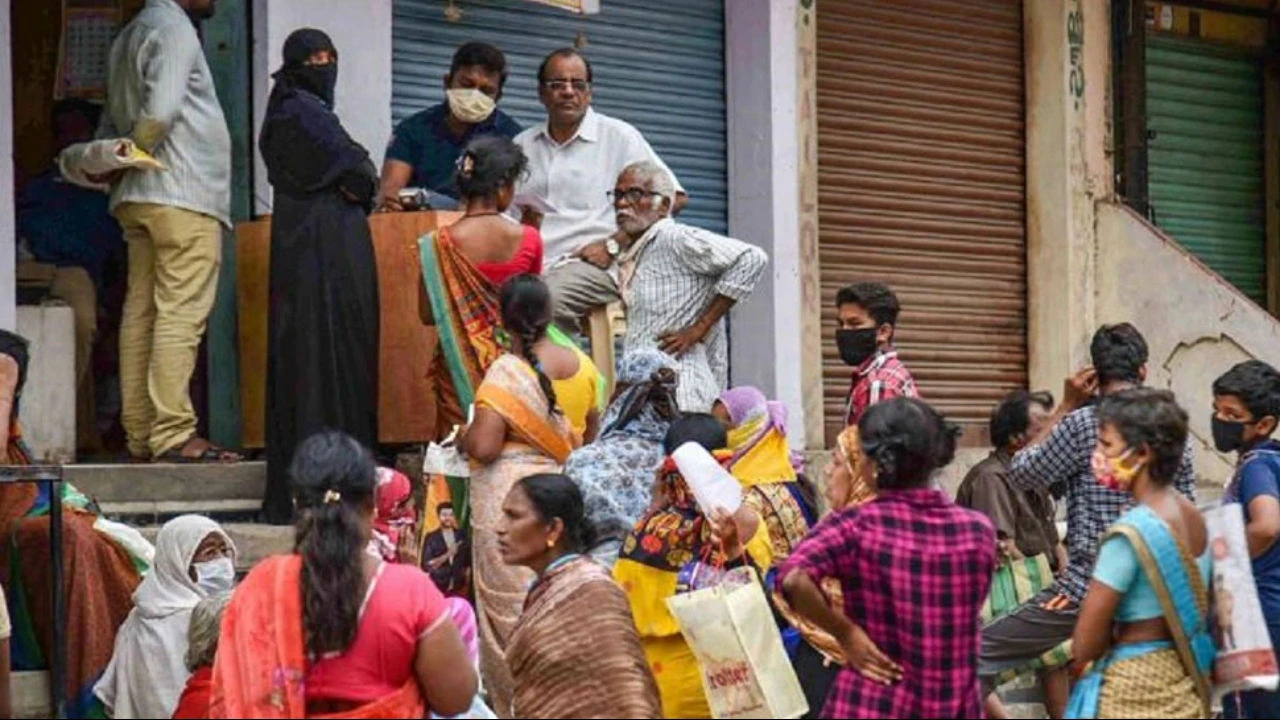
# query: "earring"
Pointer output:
{"type": "Point", "coordinates": [551, 544]}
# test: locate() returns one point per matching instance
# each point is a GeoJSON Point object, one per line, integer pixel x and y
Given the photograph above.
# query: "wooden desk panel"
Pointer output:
{"type": "Point", "coordinates": [406, 408]}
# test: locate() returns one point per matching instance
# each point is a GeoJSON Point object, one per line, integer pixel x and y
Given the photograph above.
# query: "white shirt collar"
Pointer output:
{"type": "Point", "coordinates": [588, 129]}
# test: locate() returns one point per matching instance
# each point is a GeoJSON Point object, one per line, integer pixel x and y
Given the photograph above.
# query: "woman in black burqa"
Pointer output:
{"type": "Point", "coordinates": [322, 352]}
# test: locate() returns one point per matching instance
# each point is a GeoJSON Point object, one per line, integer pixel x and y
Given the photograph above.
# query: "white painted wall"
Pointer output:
{"type": "Point", "coordinates": [8, 231]}
{"type": "Point", "coordinates": [760, 42]}
{"type": "Point", "coordinates": [362, 33]}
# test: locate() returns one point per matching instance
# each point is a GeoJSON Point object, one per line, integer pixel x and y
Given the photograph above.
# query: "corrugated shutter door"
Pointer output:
{"type": "Point", "coordinates": [1206, 155]}
{"type": "Point", "coordinates": [921, 186]}
{"type": "Point", "coordinates": [659, 65]}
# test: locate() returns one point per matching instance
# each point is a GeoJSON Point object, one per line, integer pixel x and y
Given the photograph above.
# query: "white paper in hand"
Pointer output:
{"type": "Point", "coordinates": [713, 487]}
{"type": "Point", "coordinates": [536, 202]}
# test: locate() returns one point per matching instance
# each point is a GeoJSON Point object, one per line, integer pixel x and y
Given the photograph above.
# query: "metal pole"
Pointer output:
{"type": "Point", "coordinates": [58, 678]}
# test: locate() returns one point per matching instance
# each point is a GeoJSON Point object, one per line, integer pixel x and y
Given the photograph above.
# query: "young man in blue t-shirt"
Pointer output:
{"type": "Point", "coordinates": [1246, 406]}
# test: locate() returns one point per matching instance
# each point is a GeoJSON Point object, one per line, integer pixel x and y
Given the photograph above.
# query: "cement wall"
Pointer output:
{"type": "Point", "coordinates": [1196, 324]}
{"type": "Point", "coordinates": [48, 405]}
{"type": "Point", "coordinates": [362, 33]}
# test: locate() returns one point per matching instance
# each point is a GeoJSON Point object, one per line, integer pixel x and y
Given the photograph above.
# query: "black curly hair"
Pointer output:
{"type": "Point", "coordinates": [1150, 418]}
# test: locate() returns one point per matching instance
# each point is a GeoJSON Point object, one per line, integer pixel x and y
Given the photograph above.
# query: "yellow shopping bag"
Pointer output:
{"type": "Point", "coordinates": [745, 669]}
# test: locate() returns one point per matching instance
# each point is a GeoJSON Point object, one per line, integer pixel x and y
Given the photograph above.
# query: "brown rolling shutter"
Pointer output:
{"type": "Point", "coordinates": [921, 186]}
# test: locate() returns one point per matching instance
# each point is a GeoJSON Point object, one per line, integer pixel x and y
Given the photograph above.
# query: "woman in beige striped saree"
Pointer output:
{"type": "Point", "coordinates": [575, 652]}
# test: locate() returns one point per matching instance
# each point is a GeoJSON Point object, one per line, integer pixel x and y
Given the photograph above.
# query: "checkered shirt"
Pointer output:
{"type": "Point", "coordinates": [915, 569]}
{"type": "Point", "coordinates": [1091, 508]}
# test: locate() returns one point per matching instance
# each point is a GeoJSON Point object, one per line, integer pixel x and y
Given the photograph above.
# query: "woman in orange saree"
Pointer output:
{"type": "Point", "coordinates": [332, 630]}
{"type": "Point", "coordinates": [99, 576]}
{"type": "Point", "coordinates": [518, 431]}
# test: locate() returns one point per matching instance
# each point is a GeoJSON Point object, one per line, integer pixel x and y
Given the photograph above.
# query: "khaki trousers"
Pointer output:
{"type": "Point", "coordinates": [174, 255]}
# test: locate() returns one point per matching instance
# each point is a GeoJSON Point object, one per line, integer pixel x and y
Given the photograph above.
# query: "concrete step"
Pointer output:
{"type": "Point", "coordinates": [29, 693]}
{"type": "Point", "coordinates": [253, 541]}
{"type": "Point", "coordinates": [144, 493]}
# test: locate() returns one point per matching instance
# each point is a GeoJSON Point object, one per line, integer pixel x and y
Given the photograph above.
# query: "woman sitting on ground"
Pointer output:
{"type": "Point", "coordinates": [194, 560]}
{"type": "Point", "coordinates": [575, 618]}
{"type": "Point", "coordinates": [1143, 628]}
{"type": "Point", "coordinates": [103, 565]}
{"type": "Point", "coordinates": [615, 473]}
{"type": "Point", "coordinates": [763, 463]}
{"type": "Point", "coordinates": [202, 648]}
{"type": "Point", "coordinates": [667, 549]}
{"type": "Point", "coordinates": [332, 630]}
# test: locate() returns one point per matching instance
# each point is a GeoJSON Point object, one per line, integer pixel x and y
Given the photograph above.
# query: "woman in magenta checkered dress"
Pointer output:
{"type": "Point", "coordinates": [914, 568]}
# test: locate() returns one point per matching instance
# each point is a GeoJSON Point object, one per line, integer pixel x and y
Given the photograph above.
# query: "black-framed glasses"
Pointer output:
{"type": "Point", "coordinates": [631, 195]}
{"type": "Point", "coordinates": [559, 84]}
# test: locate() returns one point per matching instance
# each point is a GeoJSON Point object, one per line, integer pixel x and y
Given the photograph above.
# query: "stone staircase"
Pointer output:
{"type": "Point", "coordinates": [146, 496]}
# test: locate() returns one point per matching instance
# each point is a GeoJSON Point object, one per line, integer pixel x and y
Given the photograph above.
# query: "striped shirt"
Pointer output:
{"type": "Point", "coordinates": [160, 93]}
{"type": "Point", "coordinates": [670, 276]}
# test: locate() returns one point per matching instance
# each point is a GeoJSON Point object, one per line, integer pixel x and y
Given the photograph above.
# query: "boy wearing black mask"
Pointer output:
{"type": "Point", "coordinates": [1246, 406]}
{"type": "Point", "coordinates": [868, 315]}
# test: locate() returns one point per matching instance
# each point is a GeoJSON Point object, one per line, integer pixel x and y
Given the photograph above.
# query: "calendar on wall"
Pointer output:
{"type": "Point", "coordinates": [87, 32]}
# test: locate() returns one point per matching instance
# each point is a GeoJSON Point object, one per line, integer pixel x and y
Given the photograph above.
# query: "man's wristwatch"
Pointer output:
{"type": "Point", "coordinates": [611, 246]}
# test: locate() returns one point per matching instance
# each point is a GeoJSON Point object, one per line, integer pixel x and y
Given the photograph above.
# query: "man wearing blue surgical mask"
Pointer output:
{"type": "Point", "coordinates": [424, 149]}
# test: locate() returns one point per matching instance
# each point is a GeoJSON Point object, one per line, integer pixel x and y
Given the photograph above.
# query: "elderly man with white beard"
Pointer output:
{"type": "Point", "coordinates": [678, 282]}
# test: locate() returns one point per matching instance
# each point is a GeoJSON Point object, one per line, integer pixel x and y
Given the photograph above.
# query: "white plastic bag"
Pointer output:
{"type": "Point", "coordinates": [713, 487]}
{"type": "Point", "coordinates": [745, 669]}
{"type": "Point", "coordinates": [1246, 660]}
{"type": "Point", "coordinates": [99, 157]}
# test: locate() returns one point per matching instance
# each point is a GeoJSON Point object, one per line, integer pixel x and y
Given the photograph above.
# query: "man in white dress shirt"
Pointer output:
{"type": "Point", "coordinates": [574, 159]}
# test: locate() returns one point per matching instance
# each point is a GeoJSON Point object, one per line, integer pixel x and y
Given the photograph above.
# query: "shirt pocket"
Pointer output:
{"type": "Point", "coordinates": [578, 182]}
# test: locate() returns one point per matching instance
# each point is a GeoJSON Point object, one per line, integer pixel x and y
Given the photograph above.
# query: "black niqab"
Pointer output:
{"type": "Point", "coordinates": [319, 80]}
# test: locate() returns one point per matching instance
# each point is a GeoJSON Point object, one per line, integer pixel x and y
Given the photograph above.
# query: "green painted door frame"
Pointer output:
{"type": "Point", "coordinates": [228, 47]}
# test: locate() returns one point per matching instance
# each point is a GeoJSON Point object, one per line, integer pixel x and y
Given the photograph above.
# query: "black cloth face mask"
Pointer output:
{"type": "Point", "coordinates": [856, 345]}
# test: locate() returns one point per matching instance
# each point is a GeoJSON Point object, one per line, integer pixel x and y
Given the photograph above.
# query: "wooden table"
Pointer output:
{"type": "Point", "coordinates": [406, 408]}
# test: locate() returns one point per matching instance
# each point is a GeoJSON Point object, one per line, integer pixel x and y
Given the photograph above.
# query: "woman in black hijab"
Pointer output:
{"type": "Point", "coordinates": [322, 353]}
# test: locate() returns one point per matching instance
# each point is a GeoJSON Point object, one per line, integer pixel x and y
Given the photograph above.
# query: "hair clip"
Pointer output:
{"type": "Point", "coordinates": [332, 496]}
{"type": "Point", "coordinates": [466, 163]}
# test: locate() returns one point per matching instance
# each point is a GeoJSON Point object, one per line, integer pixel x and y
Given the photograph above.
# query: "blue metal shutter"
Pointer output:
{"type": "Point", "coordinates": [1206, 155]}
{"type": "Point", "coordinates": [659, 65]}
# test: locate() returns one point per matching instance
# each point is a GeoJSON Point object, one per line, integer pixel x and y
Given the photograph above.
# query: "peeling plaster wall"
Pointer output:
{"type": "Point", "coordinates": [1196, 324]}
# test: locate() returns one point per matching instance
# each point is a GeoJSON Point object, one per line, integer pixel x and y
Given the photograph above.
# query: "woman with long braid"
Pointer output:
{"type": "Point", "coordinates": [518, 430]}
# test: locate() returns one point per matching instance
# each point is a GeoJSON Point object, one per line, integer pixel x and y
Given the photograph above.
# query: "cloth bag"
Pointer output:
{"type": "Point", "coordinates": [1246, 659]}
{"type": "Point", "coordinates": [1016, 582]}
{"type": "Point", "coordinates": [745, 670]}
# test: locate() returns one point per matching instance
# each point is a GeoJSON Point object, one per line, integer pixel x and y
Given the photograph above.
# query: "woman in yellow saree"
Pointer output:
{"type": "Point", "coordinates": [518, 431]}
{"type": "Point", "coordinates": [763, 463]}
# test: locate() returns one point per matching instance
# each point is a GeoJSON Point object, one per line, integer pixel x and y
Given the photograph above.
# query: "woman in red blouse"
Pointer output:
{"type": "Point", "coordinates": [499, 247]}
{"type": "Point", "coordinates": [463, 268]}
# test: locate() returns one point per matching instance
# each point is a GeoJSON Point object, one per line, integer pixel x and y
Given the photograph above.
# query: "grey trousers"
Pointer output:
{"type": "Point", "coordinates": [1023, 635]}
{"type": "Point", "coordinates": [578, 287]}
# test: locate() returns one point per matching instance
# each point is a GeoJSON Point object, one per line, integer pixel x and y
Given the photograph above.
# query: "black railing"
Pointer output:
{"type": "Point", "coordinates": [51, 477]}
